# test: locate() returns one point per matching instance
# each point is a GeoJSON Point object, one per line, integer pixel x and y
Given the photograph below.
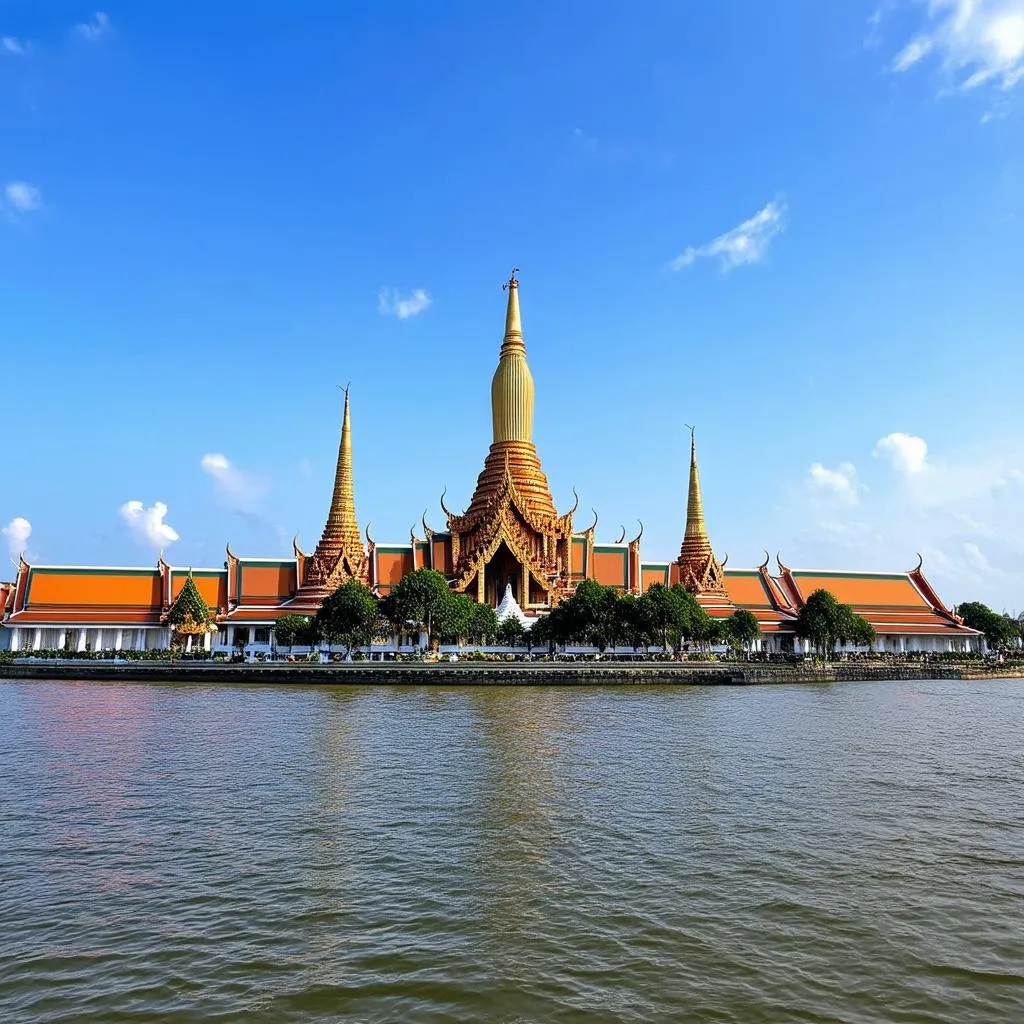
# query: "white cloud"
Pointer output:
{"type": "Point", "coordinates": [95, 29]}
{"type": "Point", "coordinates": [915, 50]}
{"type": "Point", "coordinates": [23, 196]}
{"type": "Point", "coordinates": [746, 243]}
{"type": "Point", "coordinates": [842, 481]}
{"type": "Point", "coordinates": [147, 524]}
{"type": "Point", "coordinates": [976, 42]}
{"type": "Point", "coordinates": [11, 45]}
{"type": "Point", "coordinates": [907, 453]}
{"type": "Point", "coordinates": [237, 485]}
{"type": "Point", "coordinates": [391, 303]}
{"type": "Point", "coordinates": [17, 532]}
{"type": "Point", "coordinates": [963, 509]}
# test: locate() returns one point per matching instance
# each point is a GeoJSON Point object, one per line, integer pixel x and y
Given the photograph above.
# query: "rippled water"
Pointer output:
{"type": "Point", "coordinates": [189, 853]}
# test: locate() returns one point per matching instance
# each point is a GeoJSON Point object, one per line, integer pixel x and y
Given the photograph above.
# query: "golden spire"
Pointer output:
{"type": "Point", "coordinates": [700, 572]}
{"type": "Point", "coordinates": [340, 554]}
{"type": "Point", "coordinates": [695, 528]}
{"type": "Point", "coordinates": [512, 384]}
{"type": "Point", "coordinates": [342, 516]}
{"type": "Point", "coordinates": [512, 451]}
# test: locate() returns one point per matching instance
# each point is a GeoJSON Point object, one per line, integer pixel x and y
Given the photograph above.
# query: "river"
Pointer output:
{"type": "Point", "coordinates": [180, 853]}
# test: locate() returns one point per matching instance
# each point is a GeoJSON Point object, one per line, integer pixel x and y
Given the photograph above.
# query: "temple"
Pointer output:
{"type": "Point", "coordinates": [510, 548]}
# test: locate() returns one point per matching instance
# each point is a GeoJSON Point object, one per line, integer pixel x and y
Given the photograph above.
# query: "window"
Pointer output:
{"type": "Point", "coordinates": [262, 635]}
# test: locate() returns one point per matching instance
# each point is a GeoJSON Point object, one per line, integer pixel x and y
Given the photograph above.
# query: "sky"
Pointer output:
{"type": "Point", "coordinates": [796, 225]}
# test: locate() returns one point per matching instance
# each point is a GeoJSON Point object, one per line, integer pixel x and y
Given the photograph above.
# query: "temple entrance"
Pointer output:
{"type": "Point", "coordinates": [503, 569]}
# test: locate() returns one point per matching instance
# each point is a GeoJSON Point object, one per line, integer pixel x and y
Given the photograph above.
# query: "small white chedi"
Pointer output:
{"type": "Point", "coordinates": [509, 608]}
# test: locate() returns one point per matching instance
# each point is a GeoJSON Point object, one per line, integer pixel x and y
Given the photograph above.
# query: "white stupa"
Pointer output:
{"type": "Point", "coordinates": [509, 608]}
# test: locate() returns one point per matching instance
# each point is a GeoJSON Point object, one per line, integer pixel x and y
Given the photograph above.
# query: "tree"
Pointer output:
{"type": "Point", "coordinates": [511, 632]}
{"type": "Point", "coordinates": [632, 624]}
{"type": "Point", "coordinates": [189, 608]}
{"type": "Point", "coordinates": [743, 628]}
{"type": "Point", "coordinates": [664, 612]}
{"type": "Point", "coordinates": [483, 624]}
{"type": "Point", "coordinates": [818, 622]}
{"type": "Point", "coordinates": [290, 628]}
{"type": "Point", "coordinates": [825, 622]}
{"type": "Point", "coordinates": [587, 617]}
{"type": "Point", "coordinates": [452, 618]}
{"type": "Point", "coordinates": [853, 628]}
{"type": "Point", "coordinates": [1001, 631]}
{"type": "Point", "coordinates": [392, 615]}
{"type": "Point", "coordinates": [697, 626]}
{"type": "Point", "coordinates": [349, 616]}
{"type": "Point", "coordinates": [418, 597]}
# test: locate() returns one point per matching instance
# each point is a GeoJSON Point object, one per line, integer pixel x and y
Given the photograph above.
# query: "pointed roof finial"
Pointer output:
{"type": "Point", "coordinates": [694, 503]}
{"type": "Point", "coordinates": [513, 321]}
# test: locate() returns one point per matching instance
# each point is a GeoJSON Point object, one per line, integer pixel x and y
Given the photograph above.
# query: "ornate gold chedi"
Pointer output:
{"type": "Point", "coordinates": [340, 555]}
{"type": "Point", "coordinates": [699, 571]}
{"type": "Point", "coordinates": [511, 533]}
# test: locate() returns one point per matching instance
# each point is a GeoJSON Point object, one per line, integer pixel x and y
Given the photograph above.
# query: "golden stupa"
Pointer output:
{"type": "Point", "coordinates": [510, 534]}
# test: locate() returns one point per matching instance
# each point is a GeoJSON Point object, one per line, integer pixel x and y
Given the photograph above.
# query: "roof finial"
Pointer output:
{"type": "Point", "coordinates": [512, 282]}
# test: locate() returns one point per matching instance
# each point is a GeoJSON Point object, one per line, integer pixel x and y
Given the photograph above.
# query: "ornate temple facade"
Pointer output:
{"type": "Point", "coordinates": [510, 543]}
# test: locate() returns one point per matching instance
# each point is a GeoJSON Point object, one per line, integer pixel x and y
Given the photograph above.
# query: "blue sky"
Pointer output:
{"type": "Point", "coordinates": [797, 225]}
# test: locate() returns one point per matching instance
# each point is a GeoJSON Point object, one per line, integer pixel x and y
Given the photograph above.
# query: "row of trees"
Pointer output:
{"type": "Point", "coordinates": [595, 616]}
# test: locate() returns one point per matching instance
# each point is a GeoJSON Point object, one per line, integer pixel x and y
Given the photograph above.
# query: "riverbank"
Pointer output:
{"type": "Point", "coordinates": [505, 673]}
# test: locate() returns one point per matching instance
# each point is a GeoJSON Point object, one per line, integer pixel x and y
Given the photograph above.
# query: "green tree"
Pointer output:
{"type": "Point", "coordinates": [349, 616]}
{"type": "Point", "coordinates": [483, 624]}
{"type": "Point", "coordinates": [633, 625]}
{"type": "Point", "coordinates": [743, 628]}
{"type": "Point", "coordinates": [697, 626]}
{"type": "Point", "coordinates": [853, 628]}
{"type": "Point", "coordinates": [189, 606]}
{"type": "Point", "coordinates": [665, 613]}
{"type": "Point", "coordinates": [511, 632]}
{"type": "Point", "coordinates": [392, 616]}
{"type": "Point", "coordinates": [1001, 631]}
{"type": "Point", "coordinates": [452, 618]}
{"type": "Point", "coordinates": [819, 622]}
{"type": "Point", "coordinates": [289, 628]}
{"type": "Point", "coordinates": [419, 596]}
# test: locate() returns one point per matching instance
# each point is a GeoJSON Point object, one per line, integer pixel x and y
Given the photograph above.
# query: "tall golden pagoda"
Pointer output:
{"type": "Point", "coordinates": [511, 534]}
{"type": "Point", "coordinates": [340, 555]}
{"type": "Point", "coordinates": [697, 568]}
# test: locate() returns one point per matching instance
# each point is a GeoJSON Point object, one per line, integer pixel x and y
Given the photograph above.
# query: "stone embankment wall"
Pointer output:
{"type": "Point", "coordinates": [503, 674]}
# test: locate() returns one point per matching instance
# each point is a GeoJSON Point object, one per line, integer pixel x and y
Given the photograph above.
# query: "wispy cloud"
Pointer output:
{"type": "Point", "coordinates": [391, 303]}
{"type": "Point", "coordinates": [841, 482]}
{"type": "Point", "coordinates": [17, 532]}
{"type": "Point", "coordinates": [22, 196]}
{"type": "Point", "coordinates": [962, 509]}
{"type": "Point", "coordinates": [9, 44]}
{"type": "Point", "coordinates": [976, 42]}
{"type": "Point", "coordinates": [746, 243]}
{"type": "Point", "coordinates": [240, 487]}
{"type": "Point", "coordinates": [94, 29]}
{"type": "Point", "coordinates": [147, 525]}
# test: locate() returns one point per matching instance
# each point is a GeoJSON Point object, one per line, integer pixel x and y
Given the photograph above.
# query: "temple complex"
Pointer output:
{"type": "Point", "coordinates": [510, 548]}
